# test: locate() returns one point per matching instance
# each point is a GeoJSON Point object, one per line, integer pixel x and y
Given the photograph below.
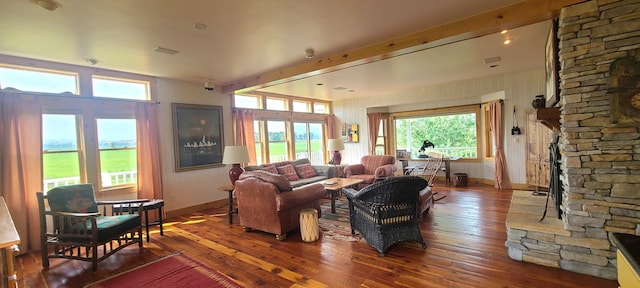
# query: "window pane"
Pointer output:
{"type": "Point", "coordinates": [60, 158]}
{"type": "Point", "coordinates": [320, 108]}
{"type": "Point", "coordinates": [121, 89]}
{"type": "Point", "coordinates": [316, 137]}
{"type": "Point", "coordinates": [251, 102]}
{"type": "Point", "coordinates": [452, 135]}
{"type": "Point", "coordinates": [277, 141]}
{"type": "Point", "coordinates": [38, 81]}
{"type": "Point", "coordinates": [118, 153]}
{"type": "Point", "coordinates": [301, 106]}
{"type": "Point", "coordinates": [277, 104]}
{"type": "Point", "coordinates": [301, 140]}
{"type": "Point", "coordinates": [257, 132]}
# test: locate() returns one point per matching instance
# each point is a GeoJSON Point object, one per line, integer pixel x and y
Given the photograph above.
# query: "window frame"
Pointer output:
{"type": "Point", "coordinates": [455, 110]}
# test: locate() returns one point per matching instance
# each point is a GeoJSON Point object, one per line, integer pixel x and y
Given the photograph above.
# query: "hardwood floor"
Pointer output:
{"type": "Point", "coordinates": [465, 234]}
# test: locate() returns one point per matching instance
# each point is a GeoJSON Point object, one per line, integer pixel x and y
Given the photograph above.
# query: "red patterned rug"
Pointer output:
{"type": "Point", "coordinates": [175, 270]}
{"type": "Point", "coordinates": [336, 225]}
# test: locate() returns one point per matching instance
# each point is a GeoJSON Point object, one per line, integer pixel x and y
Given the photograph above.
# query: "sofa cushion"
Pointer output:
{"type": "Point", "coordinates": [270, 169]}
{"type": "Point", "coordinates": [289, 172]}
{"type": "Point", "coordinates": [276, 179]}
{"type": "Point", "coordinates": [306, 171]}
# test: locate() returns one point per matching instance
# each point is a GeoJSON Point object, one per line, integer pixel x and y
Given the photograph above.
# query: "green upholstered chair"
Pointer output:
{"type": "Point", "coordinates": [72, 227]}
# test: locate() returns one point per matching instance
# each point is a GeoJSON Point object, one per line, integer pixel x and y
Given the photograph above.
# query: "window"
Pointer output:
{"type": "Point", "coordinates": [60, 151]}
{"type": "Point", "coordinates": [38, 80]}
{"type": "Point", "coordinates": [117, 151]}
{"type": "Point", "coordinates": [300, 133]}
{"type": "Point", "coordinates": [321, 108]}
{"type": "Point", "coordinates": [278, 148]}
{"type": "Point", "coordinates": [277, 104]}
{"type": "Point", "coordinates": [70, 156]}
{"type": "Point", "coordinates": [301, 106]}
{"type": "Point", "coordinates": [309, 142]}
{"type": "Point", "coordinates": [120, 88]}
{"type": "Point", "coordinates": [489, 148]}
{"type": "Point", "coordinates": [454, 131]}
{"type": "Point", "coordinates": [250, 102]}
{"type": "Point", "coordinates": [381, 139]}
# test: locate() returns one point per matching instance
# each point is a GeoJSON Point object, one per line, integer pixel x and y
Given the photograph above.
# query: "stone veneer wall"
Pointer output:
{"type": "Point", "coordinates": [600, 160]}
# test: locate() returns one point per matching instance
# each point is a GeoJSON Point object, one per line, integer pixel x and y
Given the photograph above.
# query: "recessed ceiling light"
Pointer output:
{"type": "Point", "coordinates": [504, 31]}
{"type": "Point", "coordinates": [507, 41]}
{"type": "Point", "coordinates": [165, 50]}
{"type": "Point", "coordinates": [319, 84]}
{"type": "Point", "coordinates": [309, 53]}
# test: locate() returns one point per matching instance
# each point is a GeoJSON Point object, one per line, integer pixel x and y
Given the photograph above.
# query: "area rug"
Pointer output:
{"type": "Point", "coordinates": [336, 225]}
{"type": "Point", "coordinates": [176, 270]}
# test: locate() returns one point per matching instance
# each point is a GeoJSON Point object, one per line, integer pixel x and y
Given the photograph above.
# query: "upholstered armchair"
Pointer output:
{"type": "Point", "coordinates": [387, 211]}
{"type": "Point", "coordinates": [72, 226]}
{"type": "Point", "coordinates": [371, 167]}
{"type": "Point", "coordinates": [266, 202]}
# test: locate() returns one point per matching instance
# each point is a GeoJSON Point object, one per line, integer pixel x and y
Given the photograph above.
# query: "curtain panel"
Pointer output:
{"type": "Point", "coordinates": [495, 115]}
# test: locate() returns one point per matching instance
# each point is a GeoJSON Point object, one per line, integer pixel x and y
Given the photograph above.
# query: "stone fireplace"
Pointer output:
{"type": "Point", "coordinates": [600, 144]}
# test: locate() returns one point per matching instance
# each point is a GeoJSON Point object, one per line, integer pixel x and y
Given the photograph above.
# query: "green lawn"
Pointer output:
{"type": "Point", "coordinates": [278, 148]}
{"type": "Point", "coordinates": [61, 165]}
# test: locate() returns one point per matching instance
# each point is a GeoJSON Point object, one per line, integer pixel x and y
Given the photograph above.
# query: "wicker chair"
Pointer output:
{"type": "Point", "coordinates": [386, 212]}
{"type": "Point", "coordinates": [68, 216]}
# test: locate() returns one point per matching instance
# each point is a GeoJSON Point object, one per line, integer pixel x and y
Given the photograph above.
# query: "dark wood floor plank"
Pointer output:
{"type": "Point", "coordinates": [465, 234]}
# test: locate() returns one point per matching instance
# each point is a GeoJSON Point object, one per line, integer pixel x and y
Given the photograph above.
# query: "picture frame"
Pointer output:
{"type": "Point", "coordinates": [350, 133]}
{"type": "Point", "coordinates": [552, 69]}
{"type": "Point", "coordinates": [198, 136]}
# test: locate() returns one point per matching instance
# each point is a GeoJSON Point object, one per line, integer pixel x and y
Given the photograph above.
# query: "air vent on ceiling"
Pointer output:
{"type": "Point", "coordinates": [165, 50]}
{"type": "Point", "coordinates": [492, 60]}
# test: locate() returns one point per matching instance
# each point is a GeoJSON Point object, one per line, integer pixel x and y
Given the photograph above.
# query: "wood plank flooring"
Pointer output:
{"type": "Point", "coordinates": [465, 234]}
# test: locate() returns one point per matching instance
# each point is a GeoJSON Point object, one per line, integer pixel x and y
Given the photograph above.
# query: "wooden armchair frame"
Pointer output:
{"type": "Point", "coordinates": [72, 234]}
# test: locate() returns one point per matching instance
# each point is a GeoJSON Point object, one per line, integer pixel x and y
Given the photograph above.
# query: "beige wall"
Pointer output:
{"type": "Point", "coordinates": [519, 90]}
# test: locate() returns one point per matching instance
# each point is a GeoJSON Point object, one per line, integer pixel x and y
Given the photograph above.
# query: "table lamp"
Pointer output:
{"type": "Point", "coordinates": [235, 155]}
{"type": "Point", "coordinates": [335, 145]}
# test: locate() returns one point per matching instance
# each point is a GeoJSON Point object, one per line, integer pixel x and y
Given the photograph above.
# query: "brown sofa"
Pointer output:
{"type": "Point", "coordinates": [323, 171]}
{"type": "Point", "coordinates": [268, 203]}
{"type": "Point", "coordinates": [371, 167]}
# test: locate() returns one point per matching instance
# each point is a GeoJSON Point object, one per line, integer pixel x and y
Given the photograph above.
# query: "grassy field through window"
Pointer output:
{"type": "Point", "coordinates": [62, 165]}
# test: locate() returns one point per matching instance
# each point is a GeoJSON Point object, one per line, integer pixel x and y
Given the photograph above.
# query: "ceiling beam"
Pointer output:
{"type": "Point", "coordinates": [510, 17]}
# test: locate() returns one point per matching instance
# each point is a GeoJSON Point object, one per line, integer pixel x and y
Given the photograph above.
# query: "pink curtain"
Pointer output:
{"type": "Point", "coordinates": [149, 168]}
{"type": "Point", "coordinates": [331, 127]}
{"type": "Point", "coordinates": [245, 133]}
{"type": "Point", "coordinates": [495, 115]}
{"type": "Point", "coordinates": [20, 164]}
{"type": "Point", "coordinates": [374, 126]}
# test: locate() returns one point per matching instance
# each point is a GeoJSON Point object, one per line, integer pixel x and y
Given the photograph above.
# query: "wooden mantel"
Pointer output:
{"type": "Point", "coordinates": [549, 117]}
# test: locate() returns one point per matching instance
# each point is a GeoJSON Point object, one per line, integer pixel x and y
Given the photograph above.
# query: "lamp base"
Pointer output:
{"type": "Point", "coordinates": [337, 158]}
{"type": "Point", "coordinates": [234, 173]}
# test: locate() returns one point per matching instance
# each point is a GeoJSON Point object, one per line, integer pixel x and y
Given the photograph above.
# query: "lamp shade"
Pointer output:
{"type": "Point", "coordinates": [235, 155]}
{"type": "Point", "coordinates": [335, 145]}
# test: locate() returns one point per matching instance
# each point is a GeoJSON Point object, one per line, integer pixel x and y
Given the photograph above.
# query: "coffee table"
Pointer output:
{"type": "Point", "coordinates": [335, 185]}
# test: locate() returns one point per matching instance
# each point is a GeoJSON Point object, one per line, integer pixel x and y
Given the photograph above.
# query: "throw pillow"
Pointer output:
{"type": "Point", "coordinates": [306, 171]}
{"type": "Point", "coordinates": [289, 172]}
{"type": "Point", "coordinates": [270, 169]}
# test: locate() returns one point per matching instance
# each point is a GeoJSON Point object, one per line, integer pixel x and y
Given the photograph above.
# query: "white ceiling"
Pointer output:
{"type": "Point", "coordinates": [244, 38]}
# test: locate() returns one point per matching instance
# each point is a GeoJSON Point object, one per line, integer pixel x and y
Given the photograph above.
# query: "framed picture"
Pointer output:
{"type": "Point", "coordinates": [552, 66]}
{"type": "Point", "coordinates": [350, 133]}
{"type": "Point", "coordinates": [197, 136]}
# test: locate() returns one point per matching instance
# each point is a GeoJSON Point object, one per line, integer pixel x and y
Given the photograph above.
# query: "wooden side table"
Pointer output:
{"type": "Point", "coordinates": [229, 188]}
{"type": "Point", "coordinates": [146, 206]}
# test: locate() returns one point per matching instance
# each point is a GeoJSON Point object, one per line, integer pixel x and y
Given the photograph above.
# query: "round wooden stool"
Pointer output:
{"type": "Point", "coordinates": [309, 228]}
